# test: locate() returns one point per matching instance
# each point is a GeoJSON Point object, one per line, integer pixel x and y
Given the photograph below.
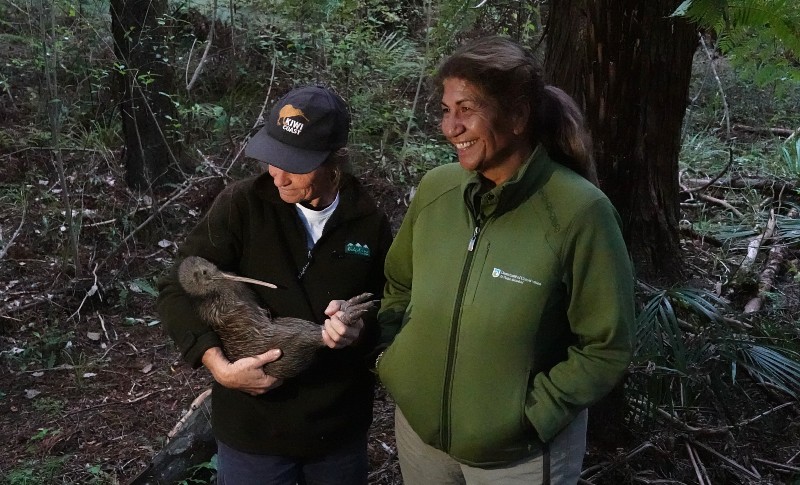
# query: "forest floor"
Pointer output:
{"type": "Point", "coordinates": [90, 385]}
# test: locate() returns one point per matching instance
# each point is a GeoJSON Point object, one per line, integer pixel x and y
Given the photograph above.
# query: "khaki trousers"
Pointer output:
{"type": "Point", "coordinates": [558, 464]}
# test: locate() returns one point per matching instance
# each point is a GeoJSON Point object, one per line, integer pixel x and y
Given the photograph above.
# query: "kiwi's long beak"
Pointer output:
{"type": "Point", "coordinates": [228, 276]}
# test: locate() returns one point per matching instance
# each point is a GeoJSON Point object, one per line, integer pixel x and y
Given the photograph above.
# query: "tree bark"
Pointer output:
{"type": "Point", "coordinates": [143, 79]}
{"type": "Point", "coordinates": [629, 65]}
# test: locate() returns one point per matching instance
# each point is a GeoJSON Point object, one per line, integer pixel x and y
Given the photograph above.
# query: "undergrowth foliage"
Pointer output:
{"type": "Point", "coordinates": [90, 386]}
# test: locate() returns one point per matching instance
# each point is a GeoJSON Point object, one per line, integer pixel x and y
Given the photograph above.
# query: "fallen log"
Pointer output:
{"type": "Point", "coordinates": [765, 130]}
{"type": "Point", "coordinates": [741, 182]}
{"type": "Point", "coordinates": [190, 444]}
{"type": "Point", "coordinates": [767, 279]}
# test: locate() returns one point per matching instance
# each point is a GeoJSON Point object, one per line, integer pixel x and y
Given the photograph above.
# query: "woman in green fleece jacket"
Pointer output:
{"type": "Point", "coordinates": [509, 295]}
{"type": "Point", "coordinates": [313, 231]}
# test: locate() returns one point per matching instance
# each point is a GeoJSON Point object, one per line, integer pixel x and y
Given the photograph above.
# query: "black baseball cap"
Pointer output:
{"type": "Point", "coordinates": [304, 127]}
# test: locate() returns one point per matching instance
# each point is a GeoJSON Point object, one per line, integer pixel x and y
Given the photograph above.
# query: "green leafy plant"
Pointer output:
{"type": "Point", "coordinates": [199, 473]}
{"type": "Point", "coordinates": [35, 472]}
{"type": "Point", "coordinates": [791, 155]}
{"type": "Point", "coordinates": [760, 35]}
{"type": "Point", "coordinates": [49, 405]}
{"type": "Point", "coordinates": [683, 336]}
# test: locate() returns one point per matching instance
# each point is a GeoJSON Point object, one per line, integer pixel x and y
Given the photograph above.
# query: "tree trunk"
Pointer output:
{"type": "Point", "coordinates": [143, 79]}
{"type": "Point", "coordinates": [629, 64]}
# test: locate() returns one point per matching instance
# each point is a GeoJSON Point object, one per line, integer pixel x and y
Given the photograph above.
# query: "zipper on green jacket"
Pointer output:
{"type": "Point", "coordinates": [448, 376]}
{"type": "Point", "coordinates": [473, 239]}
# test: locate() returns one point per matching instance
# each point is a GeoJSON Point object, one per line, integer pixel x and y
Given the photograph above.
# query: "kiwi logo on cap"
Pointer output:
{"type": "Point", "coordinates": [288, 124]}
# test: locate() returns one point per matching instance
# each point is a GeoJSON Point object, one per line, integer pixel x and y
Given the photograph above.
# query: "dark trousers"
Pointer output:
{"type": "Point", "coordinates": [346, 466]}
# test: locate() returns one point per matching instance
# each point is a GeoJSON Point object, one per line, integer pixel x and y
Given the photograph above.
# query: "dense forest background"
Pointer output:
{"type": "Point", "coordinates": [121, 120]}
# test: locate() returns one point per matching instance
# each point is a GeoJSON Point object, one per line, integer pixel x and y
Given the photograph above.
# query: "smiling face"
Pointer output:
{"type": "Point", "coordinates": [487, 140]}
{"type": "Point", "coordinates": [316, 189]}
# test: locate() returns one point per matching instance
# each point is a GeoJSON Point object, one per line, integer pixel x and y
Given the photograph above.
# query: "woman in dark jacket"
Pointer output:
{"type": "Point", "coordinates": [309, 228]}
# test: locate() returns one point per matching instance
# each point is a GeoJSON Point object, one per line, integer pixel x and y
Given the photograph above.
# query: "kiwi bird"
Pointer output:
{"type": "Point", "coordinates": [246, 329]}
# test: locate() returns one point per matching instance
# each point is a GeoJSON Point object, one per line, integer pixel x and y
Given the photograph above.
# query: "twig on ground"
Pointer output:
{"type": "Point", "coordinates": [714, 180]}
{"type": "Point", "coordinates": [778, 465]}
{"type": "Point", "coordinates": [739, 182]}
{"type": "Point", "coordinates": [699, 470]}
{"type": "Point", "coordinates": [89, 293]}
{"type": "Point", "coordinates": [753, 474]}
{"type": "Point", "coordinates": [755, 243]}
{"type": "Point", "coordinates": [4, 251]}
{"type": "Point", "coordinates": [112, 403]}
{"type": "Point", "coordinates": [767, 278]}
{"type": "Point", "coordinates": [770, 130]}
{"type": "Point", "coordinates": [103, 326]}
{"type": "Point", "coordinates": [769, 411]}
{"type": "Point", "coordinates": [644, 446]}
{"type": "Point", "coordinates": [722, 203]}
{"type": "Point", "coordinates": [737, 324]}
{"type": "Point", "coordinates": [392, 456]}
{"type": "Point", "coordinates": [691, 429]}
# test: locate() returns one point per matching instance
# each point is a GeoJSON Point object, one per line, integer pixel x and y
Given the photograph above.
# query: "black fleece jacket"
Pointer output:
{"type": "Point", "coordinates": [250, 231]}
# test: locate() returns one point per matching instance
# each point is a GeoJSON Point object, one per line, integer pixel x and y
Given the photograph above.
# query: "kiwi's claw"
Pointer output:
{"type": "Point", "coordinates": [357, 306]}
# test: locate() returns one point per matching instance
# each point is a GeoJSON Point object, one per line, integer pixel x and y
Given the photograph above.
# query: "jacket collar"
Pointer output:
{"type": "Point", "coordinates": [528, 179]}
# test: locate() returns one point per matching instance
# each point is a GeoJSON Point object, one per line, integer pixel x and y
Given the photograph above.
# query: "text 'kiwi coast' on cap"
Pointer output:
{"type": "Point", "coordinates": [304, 127]}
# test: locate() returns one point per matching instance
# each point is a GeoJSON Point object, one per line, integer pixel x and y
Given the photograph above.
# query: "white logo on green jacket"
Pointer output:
{"type": "Point", "coordinates": [514, 278]}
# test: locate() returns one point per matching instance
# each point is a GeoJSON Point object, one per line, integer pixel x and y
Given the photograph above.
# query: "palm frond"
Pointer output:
{"type": "Point", "coordinates": [767, 364]}
{"type": "Point", "coordinates": [659, 335]}
{"type": "Point", "coordinates": [789, 227]}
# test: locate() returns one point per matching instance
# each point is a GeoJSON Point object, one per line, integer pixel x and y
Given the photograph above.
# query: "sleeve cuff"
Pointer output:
{"type": "Point", "coordinates": [194, 346]}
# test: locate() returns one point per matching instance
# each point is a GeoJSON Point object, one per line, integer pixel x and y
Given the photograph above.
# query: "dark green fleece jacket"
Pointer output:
{"type": "Point", "coordinates": [516, 308]}
{"type": "Point", "coordinates": [250, 231]}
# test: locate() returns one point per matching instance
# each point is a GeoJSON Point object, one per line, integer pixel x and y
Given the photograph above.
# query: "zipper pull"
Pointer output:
{"type": "Point", "coordinates": [473, 239]}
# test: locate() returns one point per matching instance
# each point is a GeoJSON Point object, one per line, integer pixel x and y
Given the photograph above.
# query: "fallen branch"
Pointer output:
{"type": "Point", "coordinates": [776, 464]}
{"type": "Point", "coordinates": [765, 130]}
{"type": "Point", "coordinates": [767, 278]}
{"type": "Point", "coordinates": [753, 474]}
{"type": "Point", "coordinates": [739, 182]}
{"type": "Point", "coordinates": [737, 324]}
{"type": "Point", "coordinates": [759, 416]}
{"type": "Point", "coordinates": [755, 243]}
{"type": "Point", "coordinates": [89, 293]}
{"type": "Point", "coordinates": [610, 466]}
{"type": "Point", "coordinates": [721, 202]}
{"type": "Point", "coordinates": [715, 179]}
{"type": "Point", "coordinates": [699, 469]}
{"type": "Point", "coordinates": [691, 429]}
{"type": "Point", "coordinates": [113, 403]}
{"type": "Point", "coordinates": [191, 445]}
{"type": "Point", "coordinates": [192, 408]}
{"type": "Point", "coordinates": [13, 236]}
